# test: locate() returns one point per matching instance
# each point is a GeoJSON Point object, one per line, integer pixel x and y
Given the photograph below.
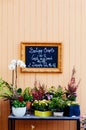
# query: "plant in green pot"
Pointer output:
{"type": "Point", "coordinates": [41, 108]}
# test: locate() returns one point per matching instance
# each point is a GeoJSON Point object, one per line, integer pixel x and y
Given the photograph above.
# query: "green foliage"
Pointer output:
{"type": "Point", "coordinates": [9, 92]}
{"type": "Point", "coordinates": [26, 91]}
{"type": "Point", "coordinates": [59, 92]}
{"type": "Point", "coordinates": [57, 104]}
{"type": "Point", "coordinates": [52, 89]}
{"type": "Point", "coordinates": [28, 98]}
{"type": "Point", "coordinates": [71, 103]}
{"type": "Point", "coordinates": [19, 91]}
{"type": "Point", "coordinates": [27, 95]}
{"type": "Point", "coordinates": [17, 103]}
{"type": "Point", "coordinates": [6, 90]}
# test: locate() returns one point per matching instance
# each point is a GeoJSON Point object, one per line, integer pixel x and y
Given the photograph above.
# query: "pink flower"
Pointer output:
{"type": "Point", "coordinates": [72, 86]}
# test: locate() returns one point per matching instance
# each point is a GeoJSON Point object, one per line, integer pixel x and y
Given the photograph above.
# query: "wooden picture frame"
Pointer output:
{"type": "Point", "coordinates": [41, 57]}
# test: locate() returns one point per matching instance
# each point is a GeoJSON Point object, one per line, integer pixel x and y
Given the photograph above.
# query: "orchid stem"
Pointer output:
{"type": "Point", "coordinates": [12, 77]}
{"type": "Point", "coordinates": [16, 76]}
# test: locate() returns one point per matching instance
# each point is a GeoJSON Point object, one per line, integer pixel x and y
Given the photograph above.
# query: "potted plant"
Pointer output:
{"type": "Point", "coordinates": [57, 105]}
{"type": "Point", "coordinates": [19, 107]}
{"type": "Point", "coordinates": [72, 87]}
{"type": "Point", "coordinates": [72, 108]}
{"type": "Point", "coordinates": [14, 95]}
{"type": "Point", "coordinates": [41, 108]}
{"type": "Point", "coordinates": [28, 97]}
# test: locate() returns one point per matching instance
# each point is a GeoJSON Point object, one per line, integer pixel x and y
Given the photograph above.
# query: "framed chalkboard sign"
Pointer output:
{"type": "Point", "coordinates": [42, 57]}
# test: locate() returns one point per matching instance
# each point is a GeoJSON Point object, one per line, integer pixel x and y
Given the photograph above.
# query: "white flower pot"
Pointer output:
{"type": "Point", "coordinates": [58, 114]}
{"type": "Point", "coordinates": [19, 112]}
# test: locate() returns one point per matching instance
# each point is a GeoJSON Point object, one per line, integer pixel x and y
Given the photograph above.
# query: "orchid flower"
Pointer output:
{"type": "Point", "coordinates": [13, 66]}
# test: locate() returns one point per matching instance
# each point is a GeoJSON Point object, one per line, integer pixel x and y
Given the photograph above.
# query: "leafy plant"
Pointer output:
{"type": "Point", "coordinates": [19, 102]}
{"type": "Point", "coordinates": [6, 90]}
{"type": "Point", "coordinates": [28, 98]}
{"type": "Point", "coordinates": [71, 103]}
{"type": "Point", "coordinates": [59, 92]}
{"type": "Point", "coordinates": [27, 95]}
{"type": "Point", "coordinates": [57, 104]}
{"type": "Point", "coordinates": [9, 92]}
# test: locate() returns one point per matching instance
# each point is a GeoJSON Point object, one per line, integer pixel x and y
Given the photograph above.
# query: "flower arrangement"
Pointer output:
{"type": "Point", "coordinates": [72, 87]}
{"type": "Point", "coordinates": [13, 66]}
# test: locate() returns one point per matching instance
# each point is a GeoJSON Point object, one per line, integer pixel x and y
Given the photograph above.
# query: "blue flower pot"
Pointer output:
{"type": "Point", "coordinates": [72, 111]}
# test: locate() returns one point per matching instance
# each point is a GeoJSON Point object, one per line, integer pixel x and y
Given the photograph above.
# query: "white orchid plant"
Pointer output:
{"type": "Point", "coordinates": [13, 67]}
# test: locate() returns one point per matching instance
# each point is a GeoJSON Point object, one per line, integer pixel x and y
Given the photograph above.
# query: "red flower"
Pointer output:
{"type": "Point", "coordinates": [21, 99]}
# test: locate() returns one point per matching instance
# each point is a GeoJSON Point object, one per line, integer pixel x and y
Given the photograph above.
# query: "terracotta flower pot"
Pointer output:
{"type": "Point", "coordinates": [28, 105]}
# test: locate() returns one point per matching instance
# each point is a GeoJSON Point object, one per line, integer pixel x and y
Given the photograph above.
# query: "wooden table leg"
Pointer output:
{"type": "Point", "coordinates": [11, 124]}
{"type": "Point", "coordinates": [78, 124]}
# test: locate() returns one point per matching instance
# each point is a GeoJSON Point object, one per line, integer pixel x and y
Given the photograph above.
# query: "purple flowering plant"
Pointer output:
{"type": "Point", "coordinates": [72, 87]}
{"type": "Point", "coordinates": [38, 91]}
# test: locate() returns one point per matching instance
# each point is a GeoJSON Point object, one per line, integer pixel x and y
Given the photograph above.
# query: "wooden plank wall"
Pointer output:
{"type": "Point", "coordinates": [43, 21]}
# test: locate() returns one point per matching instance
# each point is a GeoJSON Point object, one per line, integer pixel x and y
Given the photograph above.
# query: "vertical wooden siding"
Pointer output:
{"type": "Point", "coordinates": [43, 21]}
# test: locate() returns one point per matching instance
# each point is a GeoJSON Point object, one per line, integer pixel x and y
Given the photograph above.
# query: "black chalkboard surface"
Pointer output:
{"type": "Point", "coordinates": [42, 57]}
